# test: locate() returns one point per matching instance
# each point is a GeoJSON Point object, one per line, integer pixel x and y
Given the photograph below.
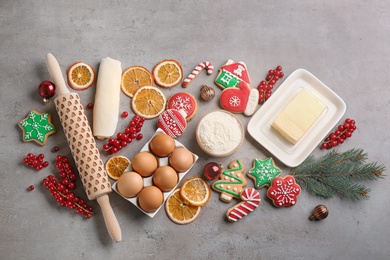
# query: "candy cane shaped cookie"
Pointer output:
{"type": "Point", "coordinates": [251, 200]}
{"type": "Point", "coordinates": [203, 65]}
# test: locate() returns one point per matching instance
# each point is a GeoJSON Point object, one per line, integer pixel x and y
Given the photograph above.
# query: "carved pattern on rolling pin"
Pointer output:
{"type": "Point", "coordinates": [83, 145]}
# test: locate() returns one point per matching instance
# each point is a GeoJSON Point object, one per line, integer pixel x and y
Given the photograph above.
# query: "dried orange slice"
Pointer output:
{"type": "Point", "coordinates": [81, 76]}
{"type": "Point", "coordinates": [167, 73]}
{"type": "Point", "coordinates": [134, 78]}
{"type": "Point", "coordinates": [148, 102]}
{"type": "Point", "coordinates": [179, 211]}
{"type": "Point", "coordinates": [195, 191]}
{"type": "Point", "coordinates": [116, 166]}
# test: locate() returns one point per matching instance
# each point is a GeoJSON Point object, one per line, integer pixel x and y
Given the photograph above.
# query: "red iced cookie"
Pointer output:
{"type": "Point", "coordinates": [243, 99]}
{"type": "Point", "coordinates": [284, 191]}
{"type": "Point", "coordinates": [184, 101]}
{"type": "Point", "coordinates": [172, 122]}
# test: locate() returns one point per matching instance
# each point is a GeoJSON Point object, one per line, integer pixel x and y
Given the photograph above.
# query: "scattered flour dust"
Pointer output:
{"type": "Point", "coordinates": [219, 133]}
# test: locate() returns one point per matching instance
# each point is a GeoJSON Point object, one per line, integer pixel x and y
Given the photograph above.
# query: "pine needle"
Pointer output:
{"type": "Point", "coordinates": [338, 174]}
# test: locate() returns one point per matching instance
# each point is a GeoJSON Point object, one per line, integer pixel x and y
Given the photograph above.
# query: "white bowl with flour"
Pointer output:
{"type": "Point", "coordinates": [219, 133]}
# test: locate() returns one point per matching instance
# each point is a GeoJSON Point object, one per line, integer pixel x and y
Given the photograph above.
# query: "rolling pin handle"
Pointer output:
{"type": "Point", "coordinates": [109, 218]}
{"type": "Point", "coordinates": [56, 74]}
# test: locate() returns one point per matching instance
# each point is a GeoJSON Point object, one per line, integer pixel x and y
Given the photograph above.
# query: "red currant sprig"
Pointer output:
{"type": "Point", "coordinates": [67, 198]}
{"type": "Point", "coordinates": [68, 177]}
{"type": "Point", "coordinates": [265, 87]}
{"type": "Point", "coordinates": [343, 132]}
{"type": "Point", "coordinates": [123, 139]}
{"type": "Point", "coordinates": [36, 162]}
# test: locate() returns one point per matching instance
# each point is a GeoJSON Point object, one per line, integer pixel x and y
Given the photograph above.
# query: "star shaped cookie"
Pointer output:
{"type": "Point", "coordinates": [37, 127]}
{"type": "Point", "coordinates": [263, 172]}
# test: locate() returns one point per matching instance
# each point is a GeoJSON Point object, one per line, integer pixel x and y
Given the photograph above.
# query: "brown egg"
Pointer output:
{"type": "Point", "coordinates": [130, 184]}
{"type": "Point", "coordinates": [181, 159]}
{"type": "Point", "coordinates": [144, 163]}
{"type": "Point", "coordinates": [165, 178]}
{"type": "Point", "coordinates": [162, 145]}
{"type": "Point", "coordinates": [150, 198]}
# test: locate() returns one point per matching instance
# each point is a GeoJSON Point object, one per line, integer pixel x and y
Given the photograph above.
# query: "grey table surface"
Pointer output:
{"type": "Point", "coordinates": [343, 43]}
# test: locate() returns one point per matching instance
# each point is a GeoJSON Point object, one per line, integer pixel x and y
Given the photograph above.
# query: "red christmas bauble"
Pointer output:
{"type": "Point", "coordinates": [47, 89]}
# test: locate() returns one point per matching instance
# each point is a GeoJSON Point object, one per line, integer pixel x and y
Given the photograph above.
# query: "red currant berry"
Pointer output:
{"type": "Point", "coordinates": [55, 149]}
{"type": "Point", "coordinates": [30, 188]}
{"type": "Point", "coordinates": [125, 114]}
{"type": "Point", "coordinates": [90, 106]}
{"type": "Point", "coordinates": [139, 136]}
{"type": "Point", "coordinates": [106, 147]}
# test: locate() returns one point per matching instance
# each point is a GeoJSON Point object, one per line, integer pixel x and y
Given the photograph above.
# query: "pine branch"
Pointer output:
{"type": "Point", "coordinates": [338, 173]}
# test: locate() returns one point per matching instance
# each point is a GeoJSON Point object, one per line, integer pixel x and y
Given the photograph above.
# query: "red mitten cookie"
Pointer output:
{"type": "Point", "coordinates": [172, 122]}
{"type": "Point", "coordinates": [183, 101]}
{"type": "Point", "coordinates": [251, 200]}
{"type": "Point", "coordinates": [243, 99]}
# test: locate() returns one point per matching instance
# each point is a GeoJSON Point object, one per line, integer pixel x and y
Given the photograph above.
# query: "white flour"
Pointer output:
{"type": "Point", "coordinates": [219, 133]}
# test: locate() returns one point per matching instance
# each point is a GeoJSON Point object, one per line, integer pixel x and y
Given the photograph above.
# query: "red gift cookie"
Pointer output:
{"type": "Point", "coordinates": [173, 122]}
{"type": "Point", "coordinates": [183, 101]}
{"type": "Point", "coordinates": [284, 191]}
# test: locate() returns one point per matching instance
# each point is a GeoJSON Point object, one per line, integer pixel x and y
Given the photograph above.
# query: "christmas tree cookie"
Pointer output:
{"type": "Point", "coordinates": [263, 172]}
{"type": "Point", "coordinates": [231, 182]}
{"type": "Point", "coordinates": [37, 127]}
{"type": "Point", "coordinates": [231, 74]}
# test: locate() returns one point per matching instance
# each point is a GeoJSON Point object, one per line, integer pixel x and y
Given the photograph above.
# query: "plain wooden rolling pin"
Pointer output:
{"type": "Point", "coordinates": [83, 147]}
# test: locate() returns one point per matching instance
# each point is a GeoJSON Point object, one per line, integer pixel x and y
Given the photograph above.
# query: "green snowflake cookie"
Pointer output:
{"type": "Point", "coordinates": [37, 127]}
{"type": "Point", "coordinates": [263, 172]}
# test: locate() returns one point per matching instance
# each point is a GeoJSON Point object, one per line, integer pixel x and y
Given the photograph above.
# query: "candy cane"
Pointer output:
{"type": "Point", "coordinates": [251, 200]}
{"type": "Point", "coordinates": [196, 72]}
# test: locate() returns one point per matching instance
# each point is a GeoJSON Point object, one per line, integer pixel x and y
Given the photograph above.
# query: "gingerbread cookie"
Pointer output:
{"type": "Point", "coordinates": [231, 74]}
{"type": "Point", "coordinates": [183, 101]}
{"type": "Point", "coordinates": [251, 200]}
{"type": "Point", "coordinates": [37, 127]}
{"type": "Point", "coordinates": [173, 122]}
{"type": "Point", "coordinates": [263, 172]}
{"type": "Point", "coordinates": [232, 181]}
{"type": "Point", "coordinates": [243, 99]}
{"type": "Point", "coordinates": [284, 191]}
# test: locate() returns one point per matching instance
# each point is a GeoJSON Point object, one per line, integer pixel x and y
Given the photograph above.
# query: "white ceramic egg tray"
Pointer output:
{"type": "Point", "coordinates": [162, 161]}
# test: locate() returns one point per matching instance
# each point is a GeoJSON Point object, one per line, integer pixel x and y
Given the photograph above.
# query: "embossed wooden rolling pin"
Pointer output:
{"type": "Point", "coordinates": [83, 147]}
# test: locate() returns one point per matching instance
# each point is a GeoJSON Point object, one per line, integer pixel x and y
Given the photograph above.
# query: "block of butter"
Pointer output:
{"type": "Point", "coordinates": [297, 117]}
